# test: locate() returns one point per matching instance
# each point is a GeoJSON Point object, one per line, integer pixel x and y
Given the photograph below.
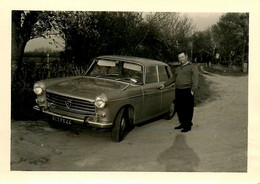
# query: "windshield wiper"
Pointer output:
{"type": "Point", "coordinates": [111, 74]}
{"type": "Point", "coordinates": [123, 79]}
{"type": "Point", "coordinates": [94, 75]}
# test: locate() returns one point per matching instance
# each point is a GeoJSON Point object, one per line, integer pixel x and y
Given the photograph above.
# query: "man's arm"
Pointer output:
{"type": "Point", "coordinates": [169, 82]}
{"type": "Point", "coordinates": [195, 78]}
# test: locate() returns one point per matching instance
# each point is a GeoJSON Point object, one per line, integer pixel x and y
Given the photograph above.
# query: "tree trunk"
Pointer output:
{"type": "Point", "coordinates": [17, 57]}
{"type": "Point", "coordinates": [18, 44]}
{"type": "Point", "coordinates": [21, 32]}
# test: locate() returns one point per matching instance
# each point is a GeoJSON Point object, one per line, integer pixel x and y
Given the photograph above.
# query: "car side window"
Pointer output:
{"type": "Point", "coordinates": [151, 75]}
{"type": "Point", "coordinates": [163, 73]}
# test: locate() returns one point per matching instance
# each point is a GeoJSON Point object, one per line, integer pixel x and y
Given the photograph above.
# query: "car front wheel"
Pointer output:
{"type": "Point", "coordinates": [120, 124]}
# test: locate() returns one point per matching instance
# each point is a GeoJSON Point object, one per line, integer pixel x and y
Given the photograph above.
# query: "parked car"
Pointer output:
{"type": "Point", "coordinates": [116, 92]}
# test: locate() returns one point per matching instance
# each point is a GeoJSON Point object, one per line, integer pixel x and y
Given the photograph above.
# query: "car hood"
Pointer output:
{"type": "Point", "coordinates": [85, 87]}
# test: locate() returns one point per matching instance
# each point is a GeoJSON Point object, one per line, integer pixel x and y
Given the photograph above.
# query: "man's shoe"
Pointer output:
{"type": "Point", "coordinates": [179, 127]}
{"type": "Point", "coordinates": [186, 129]}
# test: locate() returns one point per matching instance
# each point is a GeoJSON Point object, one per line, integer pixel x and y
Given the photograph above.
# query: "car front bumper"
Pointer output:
{"type": "Point", "coordinates": [93, 121]}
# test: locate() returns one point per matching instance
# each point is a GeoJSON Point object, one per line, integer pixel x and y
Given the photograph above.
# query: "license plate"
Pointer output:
{"type": "Point", "coordinates": [61, 120]}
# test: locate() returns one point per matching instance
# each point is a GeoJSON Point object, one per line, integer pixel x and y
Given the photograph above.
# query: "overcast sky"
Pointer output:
{"type": "Point", "coordinates": [202, 21]}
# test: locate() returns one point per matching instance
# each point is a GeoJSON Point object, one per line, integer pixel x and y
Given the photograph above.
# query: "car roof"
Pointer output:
{"type": "Point", "coordinates": [143, 61]}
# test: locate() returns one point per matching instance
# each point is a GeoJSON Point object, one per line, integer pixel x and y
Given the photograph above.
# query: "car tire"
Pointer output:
{"type": "Point", "coordinates": [169, 115]}
{"type": "Point", "coordinates": [120, 126]}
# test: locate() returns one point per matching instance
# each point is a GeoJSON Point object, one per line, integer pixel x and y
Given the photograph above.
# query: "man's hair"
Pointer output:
{"type": "Point", "coordinates": [183, 51]}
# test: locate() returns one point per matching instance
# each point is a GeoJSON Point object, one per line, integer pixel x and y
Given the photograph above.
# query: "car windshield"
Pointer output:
{"type": "Point", "coordinates": [118, 70]}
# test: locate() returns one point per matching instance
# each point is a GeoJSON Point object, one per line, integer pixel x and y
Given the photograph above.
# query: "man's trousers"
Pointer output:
{"type": "Point", "coordinates": [184, 105]}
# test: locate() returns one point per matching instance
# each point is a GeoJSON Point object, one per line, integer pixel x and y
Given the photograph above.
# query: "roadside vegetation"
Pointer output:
{"type": "Point", "coordinates": [226, 71]}
{"type": "Point", "coordinates": [203, 92]}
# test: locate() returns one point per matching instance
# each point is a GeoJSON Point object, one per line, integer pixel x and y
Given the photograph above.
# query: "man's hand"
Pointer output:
{"type": "Point", "coordinates": [192, 93]}
{"type": "Point", "coordinates": [161, 86]}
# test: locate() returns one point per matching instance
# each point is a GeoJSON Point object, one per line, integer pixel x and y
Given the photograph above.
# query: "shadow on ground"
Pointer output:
{"type": "Point", "coordinates": [179, 157]}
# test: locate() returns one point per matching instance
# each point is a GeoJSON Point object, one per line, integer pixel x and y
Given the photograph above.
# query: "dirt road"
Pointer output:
{"type": "Point", "coordinates": [217, 142]}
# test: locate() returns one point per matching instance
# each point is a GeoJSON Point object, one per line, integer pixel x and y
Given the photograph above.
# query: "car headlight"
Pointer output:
{"type": "Point", "coordinates": [100, 101]}
{"type": "Point", "coordinates": [38, 88]}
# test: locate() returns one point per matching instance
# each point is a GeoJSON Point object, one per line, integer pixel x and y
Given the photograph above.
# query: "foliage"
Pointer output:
{"type": "Point", "coordinates": [231, 34]}
{"type": "Point", "coordinates": [204, 46]}
{"type": "Point", "coordinates": [89, 34]}
{"type": "Point", "coordinates": [42, 52]}
{"type": "Point", "coordinates": [225, 70]}
{"type": "Point", "coordinates": [228, 38]}
{"type": "Point", "coordinates": [204, 92]}
{"type": "Point", "coordinates": [26, 25]}
{"type": "Point", "coordinates": [23, 97]}
{"type": "Point", "coordinates": [167, 34]}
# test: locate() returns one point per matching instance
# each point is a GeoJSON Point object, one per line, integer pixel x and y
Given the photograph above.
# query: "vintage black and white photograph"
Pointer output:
{"type": "Point", "coordinates": [130, 91]}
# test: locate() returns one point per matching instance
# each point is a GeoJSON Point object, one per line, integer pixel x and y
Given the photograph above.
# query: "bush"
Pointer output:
{"type": "Point", "coordinates": [203, 92]}
{"type": "Point", "coordinates": [22, 95]}
{"type": "Point", "coordinates": [227, 71]}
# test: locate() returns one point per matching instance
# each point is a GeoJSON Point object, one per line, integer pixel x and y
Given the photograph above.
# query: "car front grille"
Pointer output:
{"type": "Point", "coordinates": [69, 104]}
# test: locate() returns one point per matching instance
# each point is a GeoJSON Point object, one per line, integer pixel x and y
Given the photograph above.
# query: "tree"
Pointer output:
{"type": "Point", "coordinates": [170, 33]}
{"type": "Point", "coordinates": [22, 26]}
{"type": "Point", "coordinates": [204, 45]}
{"type": "Point", "coordinates": [231, 33]}
{"type": "Point", "coordinates": [26, 25]}
{"type": "Point", "coordinates": [89, 34]}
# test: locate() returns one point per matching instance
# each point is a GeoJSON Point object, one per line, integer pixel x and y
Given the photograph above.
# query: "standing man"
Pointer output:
{"type": "Point", "coordinates": [186, 81]}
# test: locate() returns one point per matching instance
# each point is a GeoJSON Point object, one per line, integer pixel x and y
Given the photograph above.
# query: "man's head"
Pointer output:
{"type": "Point", "coordinates": [183, 58]}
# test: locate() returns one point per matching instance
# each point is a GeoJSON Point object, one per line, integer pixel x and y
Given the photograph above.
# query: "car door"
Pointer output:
{"type": "Point", "coordinates": [152, 95]}
{"type": "Point", "coordinates": [167, 93]}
